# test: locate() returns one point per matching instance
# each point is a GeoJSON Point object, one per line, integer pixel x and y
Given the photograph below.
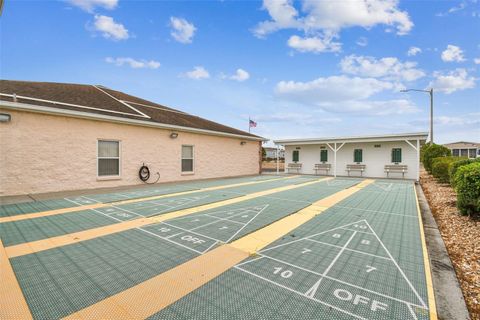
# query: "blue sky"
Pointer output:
{"type": "Point", "coordinates": [300, 69]}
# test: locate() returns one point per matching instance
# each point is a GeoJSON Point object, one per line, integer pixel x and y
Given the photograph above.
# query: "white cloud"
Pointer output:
{"type": "Point", "coordinates": [452, 81]}
{"type": "Point", "coordinates": [90, 5]}
{"type": "Point", "coordinates": [333, 16]}
{"type": "Point", "coordinates": [362, 42]}
{"type": "Point", "coordinates": [314, 44]}
{"type": "Point", "coordinates": [342, 94]}
{"type": "Point", "coordinates": [109, 28]}
{"type": "Point", "coordinates": [182, 30]}
{"type": "Point", "coordinates": [388, 68]}
{"type": "Point", "coordinates": [462, 120]}
{"type": "Point", "coordinates": [300, 118]}
{"type": "Point", "coordinates": [452, 53]}
{"type": "Point", "coordinates": [334, 88]}
{"type": "Point", "coordinates": [135, 64]}
{"type": "Point", "coordinates": [460, 7]}
{"type": "Point", "coordinates": [476, 60]}
{"type": "Point", "coordinates": [198, 73]}
{"type": "Point", "coordinates": [413, 51]}
{"type": "Point", "coordinates": [240, 75]}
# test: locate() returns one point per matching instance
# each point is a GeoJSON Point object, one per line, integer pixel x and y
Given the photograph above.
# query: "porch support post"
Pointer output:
{"type": "Point", "coordinates": [278, 161]}
{"type": "Point", "coordinates": [417, 148]}
{"type": "Point", "coordinates": [335, 160]}
{"type": "Point", "coordinates": [418, 160]}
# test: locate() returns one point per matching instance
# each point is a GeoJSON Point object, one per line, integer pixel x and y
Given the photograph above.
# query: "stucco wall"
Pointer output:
{"type": "Point", "coordinates": [45, 153]}
{"type": "Point", "coordinates": [375, 159]}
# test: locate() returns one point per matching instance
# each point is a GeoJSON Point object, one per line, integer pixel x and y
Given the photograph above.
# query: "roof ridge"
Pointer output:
{"type": "Point", "coordinates": [124, 103]}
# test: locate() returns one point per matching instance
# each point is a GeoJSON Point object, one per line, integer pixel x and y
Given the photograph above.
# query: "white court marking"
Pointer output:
{"type": "Point", "coordinates": [109, 215]}
{"type": "Point", "coordinates": [227, 216]}
{"type": "Point", "coordinates": [310, 293]}
{"type": "Point", "coordinates": [377, 211]}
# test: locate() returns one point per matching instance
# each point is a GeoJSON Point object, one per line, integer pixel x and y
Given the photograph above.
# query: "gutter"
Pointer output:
{"type": "Point", "coordinates": [101, 117]}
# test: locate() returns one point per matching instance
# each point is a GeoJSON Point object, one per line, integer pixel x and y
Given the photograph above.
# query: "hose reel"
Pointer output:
{"type": "Point", "coordinates": [144, 174]}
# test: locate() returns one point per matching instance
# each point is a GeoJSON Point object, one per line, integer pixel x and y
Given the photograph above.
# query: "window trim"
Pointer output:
{"type": "Point", "coordinates": [193, 159]}
{"type": "Point", "coordinates": [326, 152]}
{"type": "Point", "coordinates": [361, 155]}
{"type": "Point", "coordinates": [298, 156]}
{"type": "Point", "coordinates": [396, 162]}
{"type": "Point", "coordinates": [110, 177]}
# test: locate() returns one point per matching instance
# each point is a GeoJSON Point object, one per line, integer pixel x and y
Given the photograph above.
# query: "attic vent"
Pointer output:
{"type": "Point", "coordinates": [377, 146]}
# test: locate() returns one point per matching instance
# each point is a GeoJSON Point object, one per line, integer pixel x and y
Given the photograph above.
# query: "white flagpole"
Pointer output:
{"type": "Point", "coordinates": [249, 124]}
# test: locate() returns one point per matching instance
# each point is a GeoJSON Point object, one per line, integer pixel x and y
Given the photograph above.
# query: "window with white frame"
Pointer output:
{"type": "Point", "coordinates": [187, 158]}
{"type": "Point", "coordinates": [108, 158]}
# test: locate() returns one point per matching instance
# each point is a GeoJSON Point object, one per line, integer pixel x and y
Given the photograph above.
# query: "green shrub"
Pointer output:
{"type": "Point", "coordinates": [457, 164]}
{"type": "Point", "coordinates": [432, 151]}
{"type": "Point", "coordinates": [441, 168]}
{"type": "Point", "coordinates": [467, 181]}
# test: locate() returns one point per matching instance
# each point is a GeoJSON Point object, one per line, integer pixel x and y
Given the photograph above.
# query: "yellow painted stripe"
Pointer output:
{"type": "Point", "coordinates": [432, 307]}
{"type": "Point", "coordinates": [263, 237]}
{"type": "Point", "coordinates": [49, 243]}
{"type": "Point", "coordinates": [12, 301]}
{"type": "Point", "coordinates": [102, 205]}
{"type": "Point", "coordinates": [149, 297]}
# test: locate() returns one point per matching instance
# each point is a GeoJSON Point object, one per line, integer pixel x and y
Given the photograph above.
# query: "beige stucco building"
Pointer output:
{"type": "Point", "coordinates": [57, 137]}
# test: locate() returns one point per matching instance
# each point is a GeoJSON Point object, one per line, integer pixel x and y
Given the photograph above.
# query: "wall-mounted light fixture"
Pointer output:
{"type": "Point", "coordinates": [5, 117]}
{"type": "Point", "coordinates": [243, 143]}
{"type": "Point", "coordinates": [173, 135]}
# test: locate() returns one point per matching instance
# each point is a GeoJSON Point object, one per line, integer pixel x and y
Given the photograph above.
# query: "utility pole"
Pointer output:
{"type": "Point", "coordinates": [431, 107]}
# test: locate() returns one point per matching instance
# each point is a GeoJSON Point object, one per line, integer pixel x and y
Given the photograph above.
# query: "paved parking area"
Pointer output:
{"type": "Point", "coordinates": [271, 247]}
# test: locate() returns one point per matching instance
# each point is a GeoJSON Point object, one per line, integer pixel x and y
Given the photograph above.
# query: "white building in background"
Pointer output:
{"type": "Point", "coordinates": [464, 149]}
{"type": "Point", "coordinates": [272, 152]}
{"type": "Point", "coordinates": [367, 156]}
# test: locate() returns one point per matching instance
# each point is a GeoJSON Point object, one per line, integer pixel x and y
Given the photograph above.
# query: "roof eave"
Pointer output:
{"type": "Point", "coordinates": [100, 117]}
{"type": "Point", "coordinates": [376, 138]}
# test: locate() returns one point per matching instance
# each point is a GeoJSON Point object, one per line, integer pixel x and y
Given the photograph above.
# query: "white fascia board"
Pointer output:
{"type": "Point", "coordinates": [101, 117]}
{"type": "Point", "coordinates": [374, 138]}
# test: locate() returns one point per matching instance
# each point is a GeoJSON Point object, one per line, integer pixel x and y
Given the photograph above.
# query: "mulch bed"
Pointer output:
{"type": "Point", "coordinates": [461, 235]}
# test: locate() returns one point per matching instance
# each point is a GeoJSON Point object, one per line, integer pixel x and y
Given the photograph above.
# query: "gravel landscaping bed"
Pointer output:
{"type": "Point", "coordinates": [461, 235]}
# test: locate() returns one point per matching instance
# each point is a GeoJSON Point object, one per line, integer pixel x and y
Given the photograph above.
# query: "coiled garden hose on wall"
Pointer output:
{"type": "Point", "coordinates": [144, 174]}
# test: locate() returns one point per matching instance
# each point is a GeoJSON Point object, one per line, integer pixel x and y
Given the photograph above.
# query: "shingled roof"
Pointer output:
{"type": "Point", "coordinates": [99, 100]}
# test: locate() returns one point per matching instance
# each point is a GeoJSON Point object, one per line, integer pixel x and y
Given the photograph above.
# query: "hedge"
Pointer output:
{"type": "Point", "coordinates": [441, 168]}
{"type": "Point", "coordinates": [467, 181]}
{"type": "Point", "coordinates": [457, 164]}
{"type": "Point", "coordinates": [432, 151]}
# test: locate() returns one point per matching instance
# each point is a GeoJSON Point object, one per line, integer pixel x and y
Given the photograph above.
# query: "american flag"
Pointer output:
{"type": "Point", "coordinates": [252, 124]}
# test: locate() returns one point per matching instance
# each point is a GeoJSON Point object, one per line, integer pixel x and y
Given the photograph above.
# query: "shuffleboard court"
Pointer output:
{"type": "Point", "coordinates": [140, 192]}
{"type": "Point", "coordinates": [361, 256]}
{"type": "Point", "coordinates": [17, 232]}
{"type": "Point", "coordinates": [82, 274]}
{"type": "Point", "coordinates": [360, 259]}
{"type": "Point", "coordinates": [226, 224]}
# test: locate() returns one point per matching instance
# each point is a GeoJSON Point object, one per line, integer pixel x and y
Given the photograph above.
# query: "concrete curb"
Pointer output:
{"type": "Point", "coordinates": [448, 295]}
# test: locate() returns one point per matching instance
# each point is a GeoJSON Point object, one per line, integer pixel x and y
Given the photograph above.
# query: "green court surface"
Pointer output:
{"type": "Point", "coordinates": [353, 261]}
{"type": "Point", "coordinates": [97, 265]}
{"type": "Point", "coordinates": [16, 232]}
{"type": "Point", "coordinates": [139, 192]}
{"type": "Point", "coordinates": [360, 259]}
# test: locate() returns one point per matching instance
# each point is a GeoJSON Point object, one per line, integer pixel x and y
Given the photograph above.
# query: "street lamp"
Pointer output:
{"type": "Point", "coordinates": [431, 107]}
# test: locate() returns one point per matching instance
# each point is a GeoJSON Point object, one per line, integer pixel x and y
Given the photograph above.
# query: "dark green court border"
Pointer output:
{"type": "Point", "coordinates": [253, 291]}
{"type": "Point", "coordinates": [63, 280]}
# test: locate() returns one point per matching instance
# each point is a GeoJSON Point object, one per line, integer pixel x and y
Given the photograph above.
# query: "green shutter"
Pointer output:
{"type": "Point", "coordinates": [396, 155]}
{"type": "Point", "coordinates": [323, 155]}
{"type": "Point", "coordinates": [295, 156]}
{"type": "Point", "coordinates": [357, 155]}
